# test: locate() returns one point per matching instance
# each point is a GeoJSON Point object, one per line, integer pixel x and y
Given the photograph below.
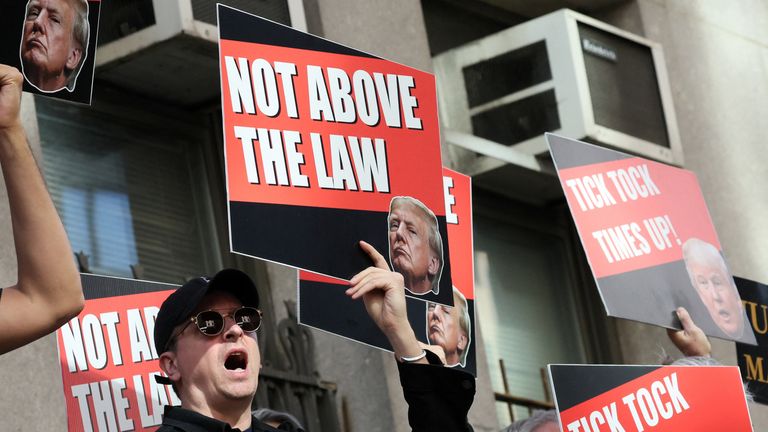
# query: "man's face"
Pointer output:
{"type": "Point", "coordinates": [444, 329]}
{"type": "Point", "coordinates": [409, 248]}
{"type": "Point", "coordinates": [714, 286]}
{"type": "Point", "coordinates": [48, 44]}
{"type": "Point", "coordinates": [222, 368]}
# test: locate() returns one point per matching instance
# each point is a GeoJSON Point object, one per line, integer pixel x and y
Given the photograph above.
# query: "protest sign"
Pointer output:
{"type": "Point", "coordinates": [320, 140]}
{"type": "Point", "coordinates": [751, 359]}
{"type": "Point", "coordinates": [592, 398]}
{"type": "Point", "coordinates": [108, 358]}
{"type": "Point", "coordinates": [323, 304]}
{"type": "Point", "coordinates": [53, 44]}
{"type": "Point", "coordinates": [649, 239]}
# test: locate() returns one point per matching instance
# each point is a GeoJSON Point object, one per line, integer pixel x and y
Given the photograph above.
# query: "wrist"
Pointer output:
{"type": "Point", "coordinates": [404, 342]}
{"type": "Point", "coordinates": [413, 359]}
{"type": "Point", "coordinates": [8, 133]}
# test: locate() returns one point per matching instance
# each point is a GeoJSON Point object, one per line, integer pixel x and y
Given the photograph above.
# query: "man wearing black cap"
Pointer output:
{"type": "Point", "coordinates": [47, 292]}
{"type": "Point", "coordinates": [205, 333]}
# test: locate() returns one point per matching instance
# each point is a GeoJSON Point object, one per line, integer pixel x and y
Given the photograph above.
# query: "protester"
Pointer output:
{"type": "Point", "coordinates": [449, 328]}
{"type": "Point", "coordinates": [540, 421]}
{"type": "Point", "coordinates": [54, 43]}
{"type": "Point", "coordinates": [415, 244]}
{"type": "Point", "coordinates": [213, 362]}
{"type": "Point", "coordinates": [47, 292]}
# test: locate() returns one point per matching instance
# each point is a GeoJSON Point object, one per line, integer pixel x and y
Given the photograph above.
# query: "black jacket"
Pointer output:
{"type": "Point", "coordinates": [438, 399]}
{"type": "Point", "coordinates": [176, 419]}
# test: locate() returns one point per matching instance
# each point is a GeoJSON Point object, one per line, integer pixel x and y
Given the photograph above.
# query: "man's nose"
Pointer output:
{"type": "Point", "coordinates": [37, 23]}
{"type": "Point", "coordinates": [400, 232]}
{"type": "Point", "coordinates": [232, 330]}
{"type": "Point", "coordinates": [717, 293]}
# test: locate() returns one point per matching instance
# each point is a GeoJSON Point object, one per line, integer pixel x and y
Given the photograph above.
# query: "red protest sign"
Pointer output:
{"type": "Point", "coordinates": [320, 141]}
{"type": "Point", "coordinates": [591, 398]}
{"type": "Point", "coordinates": [649, 239]}
{"type": "Point", "coordinates": [323, 304]}
{"type": "Point", "coordinates": [108, 358]}
{"type": "Point", "coordinates": [457, 189]}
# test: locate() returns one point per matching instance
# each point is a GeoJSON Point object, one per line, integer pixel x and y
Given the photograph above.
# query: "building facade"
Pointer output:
{"type": "Point", "coordinates": [138, 181]}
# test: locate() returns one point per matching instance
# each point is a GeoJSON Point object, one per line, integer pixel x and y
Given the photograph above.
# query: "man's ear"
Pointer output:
{"type": "Point", "coordinates": [433, 266]}
{"type": "Point", "coordinates": [463, 342]}
{"type": "Point", "coordinates": [170, 366]}
{"type": "Point", "coordinates": [73, 59]}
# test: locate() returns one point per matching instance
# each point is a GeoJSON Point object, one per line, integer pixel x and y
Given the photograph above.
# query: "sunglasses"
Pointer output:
{"type": "Point", "coordinates": [211, 322]}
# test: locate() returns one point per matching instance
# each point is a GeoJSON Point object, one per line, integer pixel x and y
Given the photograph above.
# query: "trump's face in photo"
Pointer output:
{"type": "Point", "coordinates": [714, 285]}
{"type": "Point", "coordinates": [448, 327]}
{"type": "Point", "coordinates": [415, 245]}
{"type": "Point", "coordinates": [54, 42]}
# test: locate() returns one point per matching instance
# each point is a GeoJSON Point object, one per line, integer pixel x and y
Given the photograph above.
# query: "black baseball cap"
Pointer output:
{"type": "Point", "coordinates": [178, 307]}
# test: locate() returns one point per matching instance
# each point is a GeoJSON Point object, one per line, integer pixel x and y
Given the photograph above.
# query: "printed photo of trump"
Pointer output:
{"type": "Point", "coordinates": [415, 245]}
{"type": "Point", "coordinates": [54, 43]}
{"type": "Point", "coordinates": [715, 286]}
{"type": "Point", "coordinates": [449, 328]}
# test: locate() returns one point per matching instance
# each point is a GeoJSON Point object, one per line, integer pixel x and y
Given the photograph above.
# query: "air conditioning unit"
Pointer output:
{"type": "Point", "coordinates": [166, 49]}
{"type": "Point", "coordinates": [565, 73]}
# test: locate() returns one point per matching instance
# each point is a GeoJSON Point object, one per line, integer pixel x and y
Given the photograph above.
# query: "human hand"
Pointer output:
{"type": "Point", "coordinates": [691, 340]}
{"type": "Point", "coordinates": [11, 82]}
{"type": "Point", "coordinates": [383, 292]}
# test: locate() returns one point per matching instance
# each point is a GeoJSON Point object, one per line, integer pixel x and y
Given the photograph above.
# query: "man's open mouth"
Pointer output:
{"type": "Point", "coordinates": [237, 360]}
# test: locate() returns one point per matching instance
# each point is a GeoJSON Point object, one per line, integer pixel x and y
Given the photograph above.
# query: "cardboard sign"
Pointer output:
{"type": "Point", "coordinates": [592, 398]}
{"type": "Point", "coordinates": [53, 44]}
{"type": "Point", "coordinates": [752, 358]}
{"type": "Point", "coordinates": [649, 239]}
{"type": "Point", "coordinates": [323, 304]}
{"type": "Point", "coordinates": [321, 141]}
{"type": "Point", "coordinates": [108, 358]}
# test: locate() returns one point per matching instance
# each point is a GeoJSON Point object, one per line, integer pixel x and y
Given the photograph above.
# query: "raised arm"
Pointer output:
{"type": "Point", "coordinates": [438, 397]}
{"type": "Point", "coordinates": [48, 291]}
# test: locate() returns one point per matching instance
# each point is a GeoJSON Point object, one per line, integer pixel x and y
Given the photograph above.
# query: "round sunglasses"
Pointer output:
{"type": "Point", "coordinates": [211, 322]}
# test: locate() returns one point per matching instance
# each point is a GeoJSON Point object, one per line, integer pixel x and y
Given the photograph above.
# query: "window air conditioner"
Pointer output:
{"type": "Point", "coordinates": [166, 49]}
{"type": "Point", "coordinates": [562, 72]}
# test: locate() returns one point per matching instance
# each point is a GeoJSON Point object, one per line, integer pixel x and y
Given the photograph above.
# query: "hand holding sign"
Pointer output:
{"type": "Point", "coordinates": [448, 332]}
{"type": "Point", "coordinates": [384, 295]}
{"type": "Point", "coordinates": [691, 340]}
